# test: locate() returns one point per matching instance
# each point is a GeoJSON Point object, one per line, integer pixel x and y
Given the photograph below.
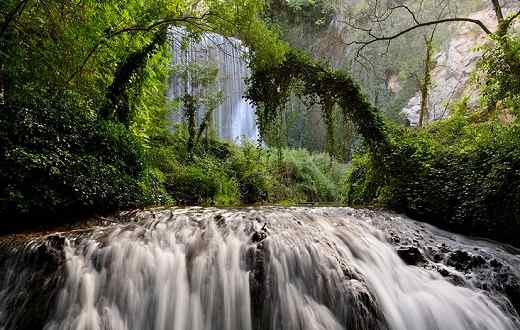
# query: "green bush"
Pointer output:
{"type": "Point", "coordinates": [201, 177]}
{"type": "Point", "coordinates": [460, 174]}
{"type": "Point", "coordinates": [218, 173]}
{"type": "Point", "coordinates": [314, 176]}
{"type": "Point", "coordinates": [250, 167]}
{"type": "Point", "coordinates": [192, 185]}
{"type": "Point", "coordinates": [361, 184]}
{"type": "Point", "coordinates": [56, 160]}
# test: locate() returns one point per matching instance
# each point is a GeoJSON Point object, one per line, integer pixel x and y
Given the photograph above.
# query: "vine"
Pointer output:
{"type": "Point", "coordinates": [270, 88]}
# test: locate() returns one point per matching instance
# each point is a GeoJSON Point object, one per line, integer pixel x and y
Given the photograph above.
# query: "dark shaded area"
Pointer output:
{"type": "Point", "coordinates": [36, 272]}
{"type": "Point", "coordinates": [57, 162]}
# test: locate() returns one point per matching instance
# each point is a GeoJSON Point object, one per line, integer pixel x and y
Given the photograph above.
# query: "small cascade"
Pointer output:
{"type": "Point", "coordinates": [234, 119]}
{"type": "Point", "coordinates": [255, 269]}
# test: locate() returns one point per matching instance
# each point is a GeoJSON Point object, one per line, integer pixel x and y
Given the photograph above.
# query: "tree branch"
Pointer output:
{"type": "Point", "coordinates": [506, 24]}
{"type": "Point", "coordinates": [408, 10]}
{"type": "Point", "coordinates": [417, 26]}
{"type": "Point", "coordinates": [11, 16]}
{"type": "Point", "coordinates": [136, 28]}
{"type": "Point", "coordinates": [498, 11]}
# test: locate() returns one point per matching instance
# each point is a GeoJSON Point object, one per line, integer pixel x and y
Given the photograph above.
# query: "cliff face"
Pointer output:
{"type": "Point", "coordinates": [453, 68]}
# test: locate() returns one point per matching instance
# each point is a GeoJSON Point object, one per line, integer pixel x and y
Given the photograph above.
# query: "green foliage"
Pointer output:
{"type": "Point", "coordinates": [200, 79]}
{"type": "Point", "coordinates": [270, 88]}
{"type": "Point", "coordinates": [461, 174]}
{"type": "Point", "coordinates": [500, 75]}
{"type": "Point", "coordinates": [218, 173]}
{"type": "Point", "coordinates": [87, 67]}
{"type": "Point", "coordinates": [72, 49]}
{"type": "Point", "coordinates": [57, 160]}
{"type": "Point", "coordinates": [314, 176]}
{"type": "Point", "coordinates": [362, 181]}
{"type": "Point", "coordinates": [254, 178]}
{"type": "Point", "coordinates": [301, 16]}
{"type": "Point", "coordinates": [192, 185]}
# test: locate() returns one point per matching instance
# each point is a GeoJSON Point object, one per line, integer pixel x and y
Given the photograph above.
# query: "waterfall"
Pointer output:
{"type": "Point", "coordinates": [260, 268]}
{"type": "Point", "coordinates": [234, 119]}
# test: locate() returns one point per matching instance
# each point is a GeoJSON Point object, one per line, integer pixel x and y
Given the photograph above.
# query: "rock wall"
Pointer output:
{"type": "Point", "coordinates": [453, 68]}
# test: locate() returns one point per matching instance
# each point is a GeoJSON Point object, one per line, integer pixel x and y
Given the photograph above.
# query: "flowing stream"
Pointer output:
{"type": "Point", "coordinates": [257, 268]}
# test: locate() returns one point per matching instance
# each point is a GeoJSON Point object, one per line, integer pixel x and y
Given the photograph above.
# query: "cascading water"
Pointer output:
{"type": "Point", "coordinates": [259, 268]}
{"type": "Point", "coordinates": [234, 119]}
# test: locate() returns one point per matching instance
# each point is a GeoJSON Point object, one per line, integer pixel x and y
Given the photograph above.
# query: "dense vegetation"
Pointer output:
{"type": "Point", "coordinates": [85, 120]}
{"type": "Point", "coordinates": [83, 107]}
{"type": "Point", "coordinates": [461, 174]}
{"type": "Point", "coordinates": [85, 117]}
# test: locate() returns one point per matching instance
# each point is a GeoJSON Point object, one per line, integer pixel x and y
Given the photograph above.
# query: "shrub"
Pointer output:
{"type": "Point", "coordinates": [56, 160]}
{"type": "Point", "coordinates": [192, 185]}
{"type": "Point", "coordinates": [314, 176]}
{"type": "Point", "coordinates": [249, 166]}
{"type": "Point", "coordinates": [202, 177]}
{"type": "Point", "coordinates": [460, 174]}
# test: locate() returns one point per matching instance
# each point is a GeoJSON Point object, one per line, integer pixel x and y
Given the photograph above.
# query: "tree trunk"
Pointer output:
{"type": "Point", "coordinates": [11, 16]}
{"type": "Point", "coordinates": [118, 106]}
{"type": "Point", "coordinates": [426, 83]}
{"type": "Point", "coordinates": [190, 108]}
{"type": "Point", "coordinates": [328, 118]}
{"type": "Point", "coordinates": [498, 11]}
{"type": "Point", "coordinates": [349, 138]}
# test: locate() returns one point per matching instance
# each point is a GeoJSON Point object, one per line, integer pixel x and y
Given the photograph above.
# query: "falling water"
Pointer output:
{"type": "Point", "coordinates": [234, 119]}
{"type": "Point", "coordinates": [259, 268]}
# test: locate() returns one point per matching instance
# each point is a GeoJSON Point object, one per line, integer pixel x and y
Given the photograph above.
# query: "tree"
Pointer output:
{"type": "Point", "coordinates": [117, 106]}
{"type": "Point", "coordinates": [97, 53]}
{"type": "Point", "coordinates": [503, 23]}
{"type": "Point", "coordinates": [427, 80]}
{"type": "Point", "coordinates": [375, 22]}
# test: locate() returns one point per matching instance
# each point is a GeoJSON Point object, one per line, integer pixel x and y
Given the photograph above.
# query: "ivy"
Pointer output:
{"type": "Point", "coordinates": [270, 88]}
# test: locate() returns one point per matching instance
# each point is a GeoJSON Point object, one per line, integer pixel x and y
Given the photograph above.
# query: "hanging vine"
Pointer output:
{"type": "Point", "coordinates": [270, 88]}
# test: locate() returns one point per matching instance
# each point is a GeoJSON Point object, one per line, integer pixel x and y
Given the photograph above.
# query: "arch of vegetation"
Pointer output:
{"type": "Point", "coordinates": [270, 88]}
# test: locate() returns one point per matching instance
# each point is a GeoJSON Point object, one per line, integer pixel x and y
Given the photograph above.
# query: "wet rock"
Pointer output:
{"type": "Point", "coordinates": [259, 235]}
{"type": "Point", "coordinates": [443, 271]}
{"type": "Point", "coordinates": [49, 254]}
{"type": "Point", "coordinates": [35, 269]}
{"type": "Point", "coordinates": [220, 220]}
{"type": "Point", "coordinates": [56, 241]}
{"type": "Point", "coordinates": [495, 263]}
{"type": "Point", "coordinates": [444, 248]}
{"type": "Point", "coordinates": [257, 281]}
{"type": "Point", "coordinates": [463, 261]}
{"type": "Point", "coordinates": [411, 255]}
{"type": "Point", "coordinates": [512, 291]}
{"type": "Point", "coordinates": [438, 257]}
{"type": "Point", "coordinates": [393, 238]}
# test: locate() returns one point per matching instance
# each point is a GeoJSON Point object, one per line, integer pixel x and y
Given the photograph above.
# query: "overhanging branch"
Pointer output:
{"type": "Point", "coordinates": [376, 38]}
{"type": "Point", "coordinates": [137, 28]}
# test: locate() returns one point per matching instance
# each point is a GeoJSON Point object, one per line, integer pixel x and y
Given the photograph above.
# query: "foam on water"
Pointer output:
{"type": "Point", "coordinates": [213, 269]}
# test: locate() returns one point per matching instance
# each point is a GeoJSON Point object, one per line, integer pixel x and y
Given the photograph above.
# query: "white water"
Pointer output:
{"type": "Point", "coordinates": [234, 119]}
{"type": "Point", "coordinates": [200, 269]}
